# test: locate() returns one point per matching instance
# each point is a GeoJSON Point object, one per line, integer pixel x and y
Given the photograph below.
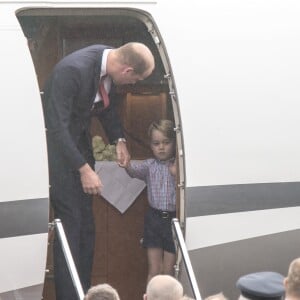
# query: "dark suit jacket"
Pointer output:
{"type": "Point", "coordinates": [67, 102]}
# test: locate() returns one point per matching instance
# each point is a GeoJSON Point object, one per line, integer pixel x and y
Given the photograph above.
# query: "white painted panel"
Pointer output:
{"type": "Point", "coordinates": [237, 77]}
{"type": "Point", "coordinates": [237, 69]}
{"type": "Point", "coordinates": [22, 261]}
{"type": "Point", "coordinates": [23, 159]}
{"type": "Point", "coordinates": [205, 231]}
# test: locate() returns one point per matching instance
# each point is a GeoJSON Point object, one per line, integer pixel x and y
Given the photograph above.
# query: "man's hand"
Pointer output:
{"type": "Point", "coordinates": [90, 181]}
{"type": "Point", "coordinates": [123, 156]}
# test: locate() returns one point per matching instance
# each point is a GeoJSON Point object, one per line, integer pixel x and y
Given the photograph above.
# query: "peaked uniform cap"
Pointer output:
{"type": "Point", "coordinates": [261, 285]}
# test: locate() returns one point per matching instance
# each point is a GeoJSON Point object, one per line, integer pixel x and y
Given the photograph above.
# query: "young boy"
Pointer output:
{"type": "Point", "coordinates": [159, 174]}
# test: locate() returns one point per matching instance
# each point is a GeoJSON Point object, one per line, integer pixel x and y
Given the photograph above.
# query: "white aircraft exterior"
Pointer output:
{"type": "Point", "coordinates": [233, 73]}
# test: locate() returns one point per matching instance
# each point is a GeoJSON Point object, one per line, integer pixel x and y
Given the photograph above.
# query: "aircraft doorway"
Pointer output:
{"type": "Point", "coordinates": [52, 33]}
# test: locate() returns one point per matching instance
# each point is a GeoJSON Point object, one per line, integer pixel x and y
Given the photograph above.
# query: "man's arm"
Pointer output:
{"type": "Point", "coordinates": [58, 99]}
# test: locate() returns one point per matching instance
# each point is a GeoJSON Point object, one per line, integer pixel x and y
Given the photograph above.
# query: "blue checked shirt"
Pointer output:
{"type": "Point", "coordinates": [160, 183]}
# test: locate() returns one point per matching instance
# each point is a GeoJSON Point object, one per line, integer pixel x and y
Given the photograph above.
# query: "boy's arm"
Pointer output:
{"type": "Point", "coordinates": [137, 169]}
{"type": "Point", "coordinates": [173, 168]}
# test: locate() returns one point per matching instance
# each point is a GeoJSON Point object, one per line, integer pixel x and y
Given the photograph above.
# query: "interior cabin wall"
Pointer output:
{"type": "Point", "coordinates": [119, 257]}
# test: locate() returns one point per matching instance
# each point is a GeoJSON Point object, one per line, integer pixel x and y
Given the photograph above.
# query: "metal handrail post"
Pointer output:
{"type": "Point", "coordinates": [69, 258]}
{"type": "Point", "coordinates": [186, 258]}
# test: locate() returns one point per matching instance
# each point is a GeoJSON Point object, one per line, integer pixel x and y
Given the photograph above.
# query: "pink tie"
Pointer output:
{"type": "Point", "coordinates": [103, 93]}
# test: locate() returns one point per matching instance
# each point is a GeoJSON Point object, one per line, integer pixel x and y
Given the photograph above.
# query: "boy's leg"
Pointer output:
{"type": "Point", "coordinates": [155, 262]}
{"type": "Point", "coordinates": [169, 261]}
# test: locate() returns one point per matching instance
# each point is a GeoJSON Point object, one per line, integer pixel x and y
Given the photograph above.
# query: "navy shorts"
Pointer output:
{"type": "Point", "coordinates": [158, 230]}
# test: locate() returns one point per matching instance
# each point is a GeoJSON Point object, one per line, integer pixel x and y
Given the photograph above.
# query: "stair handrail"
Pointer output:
{"type": "Point", "coordinates": [68, 257]}
{"type": "Point", "coordinates": [186, 258]}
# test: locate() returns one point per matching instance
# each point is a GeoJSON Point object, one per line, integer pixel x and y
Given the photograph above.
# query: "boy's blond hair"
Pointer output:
{"type": "Point", "coordinates": [166, 127]}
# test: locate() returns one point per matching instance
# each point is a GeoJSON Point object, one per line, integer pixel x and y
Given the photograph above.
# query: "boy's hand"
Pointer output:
{"type": "Point", "coordinates": [173, 168]}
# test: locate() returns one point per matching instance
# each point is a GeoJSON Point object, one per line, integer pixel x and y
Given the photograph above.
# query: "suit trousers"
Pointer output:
{"type": "Point", "coordinates": [74, 208]}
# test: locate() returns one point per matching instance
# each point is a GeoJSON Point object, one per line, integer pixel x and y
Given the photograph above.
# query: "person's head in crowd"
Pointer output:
{"type": "Point", "coordinates": [219, 296]}
{"type": "Point", "coordinates": [186, 297]}
{"type": "Point", "coordinates": [163, 287]}
{"type": "Point", "coordinates": [102, 291]}
{"type": "Point", "coordinates": [292, 281]}
{"type": "Point", "coordinates": [261, 286]}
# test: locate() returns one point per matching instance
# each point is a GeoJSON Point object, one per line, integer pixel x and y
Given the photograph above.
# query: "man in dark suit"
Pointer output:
{"type": "Point", "coordinates": [70, 95]}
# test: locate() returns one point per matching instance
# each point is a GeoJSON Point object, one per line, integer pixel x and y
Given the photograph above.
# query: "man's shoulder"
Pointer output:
{"type": "Point", "coordinates": [83, 58]}
{"type": "Point", "coordinates": [96, 48]}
